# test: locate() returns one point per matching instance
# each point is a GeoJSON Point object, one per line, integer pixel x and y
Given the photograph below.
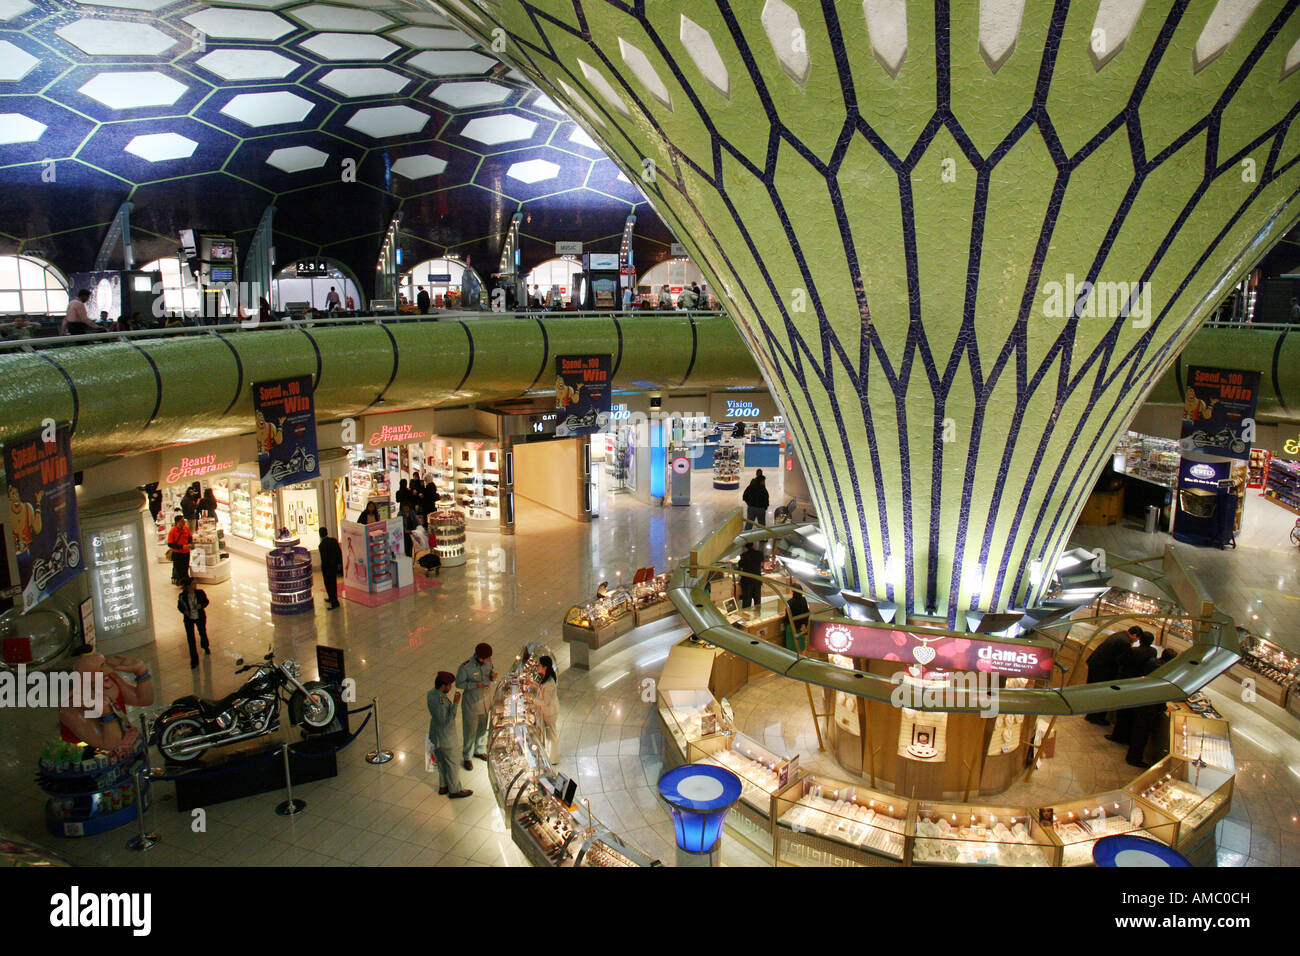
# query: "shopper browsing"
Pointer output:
{"type": "Point", "coordinates": [475, 678]}
{"type": "Point", "coordinates": [178, 547]}
{"type": "Point", "coordinates": [548, 707]}
{"type": "Point", "coordinates": [756, 500]}
{"type": "Point", "coordinates": [331, 566]}
{"type": "Point", "coordinates": [442, 734]}
{"type": "Point", "coordinates": [751, 562]}
{"type": "Point", "coordinates": [1103, 663]}
{"type": "Point", "coordinates": [192, 604]}
{"type": "Point", "coordinates": [1132, 663]}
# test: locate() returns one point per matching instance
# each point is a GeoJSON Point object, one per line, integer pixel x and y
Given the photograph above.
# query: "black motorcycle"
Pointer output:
{"type": "Point", "coordinates": [191, 726]}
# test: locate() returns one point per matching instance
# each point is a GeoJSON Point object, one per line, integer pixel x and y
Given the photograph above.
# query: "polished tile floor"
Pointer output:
{"type": "Point", "coordinates": [514, 589]}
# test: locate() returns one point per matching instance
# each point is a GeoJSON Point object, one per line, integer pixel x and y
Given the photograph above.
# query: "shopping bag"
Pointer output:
{"type": "Point", "coordinates": [430, 765]}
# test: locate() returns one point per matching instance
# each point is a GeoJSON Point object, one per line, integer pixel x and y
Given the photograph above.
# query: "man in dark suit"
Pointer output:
{"type": "Point", "coordinates": [422, 301]}
{"type": "Point", "coordinates": [331, 565]}
{"type": "Point", "coordinates": [192, 603]}
{"type": "Point", "coordinates": [1103, 663]}
{"type": "Point", "coordinates": [1132, 663]}
{"type": "Point", "coordinates": [1145, 719]}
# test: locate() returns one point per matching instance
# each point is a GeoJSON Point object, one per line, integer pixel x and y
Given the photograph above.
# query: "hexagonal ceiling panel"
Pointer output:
{"type": "Point", "coordinates": [159, 147]}
{"type": "Point", "coordinates": [500, 128]}
{"type": "Point", "coordinates": [268, 109]}
{"type": "Point", "coordinates": [204, 112]}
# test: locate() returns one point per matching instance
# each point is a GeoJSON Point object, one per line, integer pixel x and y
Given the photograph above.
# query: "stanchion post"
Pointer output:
{"type": "Point", "coordinates": [142, 840]}
{"type": "Point", "coordinates": [379, 754]}
{"type": "Point", "coordinates": [290, 806]}
{"type": "Point", "coordinates": [149, 768]}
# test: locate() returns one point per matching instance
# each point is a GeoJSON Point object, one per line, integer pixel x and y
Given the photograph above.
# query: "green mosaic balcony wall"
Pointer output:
{"type": "Point", "coordinates": [888, 194]}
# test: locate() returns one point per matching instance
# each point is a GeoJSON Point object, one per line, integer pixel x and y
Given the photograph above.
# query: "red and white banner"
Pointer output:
{"type": "Point", "coordinates": [953, 653]}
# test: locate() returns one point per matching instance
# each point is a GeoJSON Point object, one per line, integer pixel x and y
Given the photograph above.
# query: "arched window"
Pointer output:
{"type": "Point", "coordinates": [180, 293]}
{"type": "Point", "coordinates": [31, 286]}
{"type": "Point", "coordinates": [674, 273]}
{"type": "Point", "coordinates": [554, 273]}
{"type": "Point", "coordinates": [288, 289]}
{"type": "Point", "coordinates": [437, 277]}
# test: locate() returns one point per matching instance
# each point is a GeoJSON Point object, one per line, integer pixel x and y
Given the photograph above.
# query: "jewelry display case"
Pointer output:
{"type": "Point", "coordinates": [1202, 740]}
{"type": "Point", "coordinates": [1076, 825]}
{"type": "Point", "coordinates": [515, 757]}
{"type": "Point", "coordinates": [820, 821]}
{"type": "Point", "coordinates": [449, 536]}
{"type": "Point", "coordinates": [687, 715]}
{"type": "Point", "coordinates": [761, 774]}
{"type": "Point", "coordinates": [602, 619]}
{"type": "Point", "coordinates": [651, 599]}
{"type": "Point", "coordinates": [1274, 669]}
{"type": "Point", "coordinates": [1195, 798]}
{"type": "Point", "coordinates": [726, 467]}
{"type": "Point", "coordinates": [551, 833]}
{"type": "Point", "coordinates": [952, 834]}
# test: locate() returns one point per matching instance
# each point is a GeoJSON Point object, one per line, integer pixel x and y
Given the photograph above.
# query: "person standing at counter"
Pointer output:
{"type": "Point", "coordinates": [1132, 663]}
{"type": "Point", "coordinates": [1146, 718]}
{"type": "Point", "coordinates": [756, 500]}
{"type": "Point", "coordinates": [368, 514]}
{"type": "Point", "coordinates": [796, 632]}
{"type": "Point", "coordinates": [207, 507]}
{"type": "Point", "coordinates": [178, 546]}
{"type": "Point", "coordinates": [442, 735]}
{"type": "Point", "coordinates": [475, 678]}
{"type": "Point", "coordinates": [751, 589]}
{"type": "Point", "coordinates": [548, 707]}
{"type": "Point", "coordinates": [1103, 663]}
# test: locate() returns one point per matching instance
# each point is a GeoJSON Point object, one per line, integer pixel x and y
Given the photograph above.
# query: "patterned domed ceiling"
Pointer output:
{"type": "Point", "coordinates": [340, 114]}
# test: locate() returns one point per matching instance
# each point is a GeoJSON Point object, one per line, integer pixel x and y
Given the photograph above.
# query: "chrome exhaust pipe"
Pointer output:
{"type": "Point", "coordinates": [191, 744]}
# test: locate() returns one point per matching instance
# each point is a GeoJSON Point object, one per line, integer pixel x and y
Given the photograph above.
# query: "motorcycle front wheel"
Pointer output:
{"type": "Point", "coordinates": [172, 740]}
{"type": "Point", "coordinates": [316, 711]}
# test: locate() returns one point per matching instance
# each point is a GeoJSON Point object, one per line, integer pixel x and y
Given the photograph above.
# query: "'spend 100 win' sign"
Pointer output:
{"type": "Point", "coordinates": [44, 533]}
{"type": "Point", "coordinates": [582, 394]}
{"type": "Point", "coordinates": [1219, 411]}
{"type": "Point", "coordinates": [953, 653]}
{"type": "Point", "coordinates": [286, 431]}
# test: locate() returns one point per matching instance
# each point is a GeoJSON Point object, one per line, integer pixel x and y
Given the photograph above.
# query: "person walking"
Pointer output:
{"type": "Point", "coordinates": [751, 589]}
{"type": "Point", "coordinates": [548, 707]}
{"type": "Point", "coordinates": [422, 301]}
{"type": "Point", "coordinates": [627, 298]}
{"type": "Point", "coordinates": [192, 604]}
{"type": "Point", "coordinates": [178, 547]}
{"type": "Point", "coordinates": [190, 503]}
{"type": "Point", "coordinates": [331, 566]}
{"type": "Point", "coordinates": [475, 678]}
{"type": "Point", "coordinates": [756, 500]}
{"type": "Point", "coordinates": [442, 735]}
{"type": "Point", "coordinates": [1103, 663]}
{"type": "Point", "coordinates": [332, 301]}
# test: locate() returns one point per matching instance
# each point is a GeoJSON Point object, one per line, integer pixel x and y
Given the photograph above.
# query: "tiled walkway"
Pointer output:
{"type": "Point", "coordinates": [514, 589]}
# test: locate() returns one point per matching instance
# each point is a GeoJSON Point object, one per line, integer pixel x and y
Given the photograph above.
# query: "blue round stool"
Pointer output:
{"type": "Point", "coordinates": [1132, 851]}
{"type": "Point", "coordinates": [699, 796]}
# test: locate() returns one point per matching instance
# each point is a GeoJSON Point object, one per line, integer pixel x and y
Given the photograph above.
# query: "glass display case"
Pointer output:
{"type": "Point", "coordinates": [1078, 824]}
{"type": "Point", "coordinates": [604, 618]}
{"type": "Point", "coordinates": [1201, 740]}
{"type": "Point", "coordinates": [950, 834]}
{"type": "Point", "coordinates": [650, 599]}
{"type": "Point", "coordinates": [1193, 797]}
{"type": "Point", "coordinates": [515, 757]}
{"type": "Point", "coordinates": [824, 822]}
{"type": "Point", "coordinates": [264, 518]}
{"type": "Point", "coordinates": [551, 833]}
{"type": "Point", "coordinates": [761, 771]}
{"type": "Point", "coordinates": [241, 508]}
{"type": "Point", "coordinates": [1153, 459]}
{"type": "Point", "coordinates": [726, 467]}
{"type": "Point", "coordinates": [1271, 661]}
{"type": "Point", "coordinates": [687, 715]}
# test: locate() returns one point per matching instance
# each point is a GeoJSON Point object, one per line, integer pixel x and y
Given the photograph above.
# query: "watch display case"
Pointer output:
{"type": "Point", "coordinates": [820, 821]}
{"type": "Point", "coordinates": [515, 758]}
{"type": "Point", "coordinates": [605, 849]}
{"type": "Point", "coordinates": [651, 599]}
{"type": "Point", "coordinates": [965, 835]}
{"type": "Point", "coordinates": [1195, 798]}
{"type": "Point", "coordinates": [552, 834]}
{"type": "Point", "coordinates": [1201, 740]}
{"type": "Point", "coordinates": [1078, 824]}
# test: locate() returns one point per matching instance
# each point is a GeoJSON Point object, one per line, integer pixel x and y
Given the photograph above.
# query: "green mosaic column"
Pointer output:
{"type": "Point", "coordinates": [963, 240]}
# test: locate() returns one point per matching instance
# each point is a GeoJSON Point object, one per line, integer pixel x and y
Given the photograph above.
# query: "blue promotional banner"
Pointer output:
{"type": "Point", "coordinates": [44, 532]}
{"type": "Point", "coordinates": [1219, 411]}
{"type": "Point", "coordinates": [582, 394]}
{"type": "Point", "coordinates": [286, 431]}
